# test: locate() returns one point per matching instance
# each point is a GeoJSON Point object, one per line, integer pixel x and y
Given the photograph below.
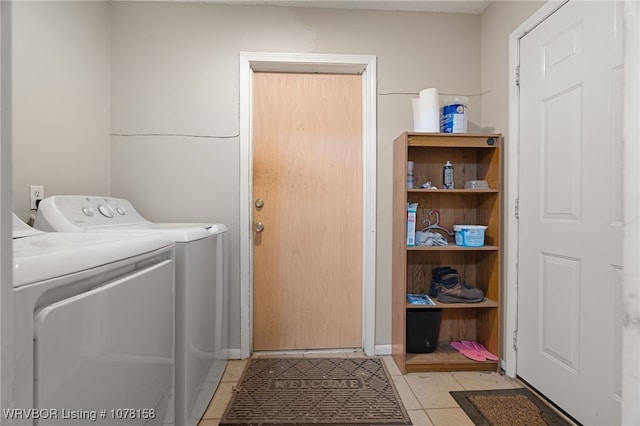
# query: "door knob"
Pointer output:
{"type": "Point", "coordinates": [259, 203]}
{"type": "Point", "coordinates": [258, 227]}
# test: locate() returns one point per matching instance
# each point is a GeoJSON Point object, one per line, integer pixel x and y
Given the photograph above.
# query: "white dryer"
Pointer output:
{"type": "Point", "coordinates": [201, 288]}
{"type": "Point", "coordinates": [93, 325]}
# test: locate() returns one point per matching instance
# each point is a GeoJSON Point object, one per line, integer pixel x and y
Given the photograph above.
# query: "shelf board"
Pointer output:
{"type": "Point", "coordinates": [486, 303]}
{"type": "Point", "coordinates": [452, 247]}
{"type": "Point", "coordinates": [452, 140]}
{"type": "Point", "coordinates": [445, 358]}
{"type": "Point", "coordinates": [454, 191]}
{"type": "Point", "coordinates": [431, 135]}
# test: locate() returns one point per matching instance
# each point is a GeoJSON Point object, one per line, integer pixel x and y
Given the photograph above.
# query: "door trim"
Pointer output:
{"type": "Point", "coordinates": [512, 192]}
{"type": "Point", "coordinates": [324, 63]}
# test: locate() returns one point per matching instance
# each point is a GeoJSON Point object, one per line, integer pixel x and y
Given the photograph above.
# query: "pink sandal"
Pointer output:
{"type": "Point", "coordinates": [468, 344]}
{"type": "Point", "coordinates": [468, 352]}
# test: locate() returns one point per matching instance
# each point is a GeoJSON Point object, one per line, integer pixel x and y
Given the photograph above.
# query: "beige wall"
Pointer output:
{"type": "Point", "coordinates": [6, 203]}
{"type": "Point", "coordinates": [163, 78]}
{"type": "Point", "coordinates": [61, 91]}
{"type": "Point", "coordinates": [175, 72]}
{"type": "Point", "coordinates": [62, 88]}
{"type": "Point", "coordinates": [497, 22]}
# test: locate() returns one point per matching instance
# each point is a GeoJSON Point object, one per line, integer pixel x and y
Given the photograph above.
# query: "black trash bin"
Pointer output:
{"type": "Point", "coordinates": [423, 330]}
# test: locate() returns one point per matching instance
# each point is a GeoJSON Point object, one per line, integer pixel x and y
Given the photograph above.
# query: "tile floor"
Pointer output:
{"type": "Point", "coordinates": [424, 395]}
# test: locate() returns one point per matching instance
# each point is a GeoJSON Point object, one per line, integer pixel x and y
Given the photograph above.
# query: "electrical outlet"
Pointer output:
{"type": "Point", "coordinates": [36, 193]}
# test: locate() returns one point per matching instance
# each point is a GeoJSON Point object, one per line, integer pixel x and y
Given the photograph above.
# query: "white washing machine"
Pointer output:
{"type": "Point", "coordinates": [201, 288]}
{"type": "Point", "coordinates": [93, 325]}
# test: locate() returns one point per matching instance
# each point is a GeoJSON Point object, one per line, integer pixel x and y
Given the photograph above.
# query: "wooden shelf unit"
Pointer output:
{"type": "Point", "coordinates": [474, 157]}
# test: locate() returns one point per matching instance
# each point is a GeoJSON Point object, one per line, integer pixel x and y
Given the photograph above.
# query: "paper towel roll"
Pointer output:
{"type": "Point", "coordinates": [417, 118]}
{"type": "Point", "coordinates": [429, 111]}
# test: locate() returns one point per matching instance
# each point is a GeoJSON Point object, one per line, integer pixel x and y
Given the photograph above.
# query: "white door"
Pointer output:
{"type": "Point", "coordinates": [570, 207]}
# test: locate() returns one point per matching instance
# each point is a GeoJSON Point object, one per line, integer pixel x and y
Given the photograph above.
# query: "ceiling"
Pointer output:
{"type": "Point", "coordinates": [448, 6]}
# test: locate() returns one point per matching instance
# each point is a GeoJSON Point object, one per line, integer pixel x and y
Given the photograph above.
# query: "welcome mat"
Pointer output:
{"type": "Point", "coordinates": [507, 407]}
{"type": "Point", "coordinates": [318, 391]}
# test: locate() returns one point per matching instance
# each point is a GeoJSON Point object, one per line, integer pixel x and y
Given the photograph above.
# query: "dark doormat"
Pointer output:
{"type": "Point", "coordinates": [315, 391]}
{"type": "Point", "coordinates": [507, 407]}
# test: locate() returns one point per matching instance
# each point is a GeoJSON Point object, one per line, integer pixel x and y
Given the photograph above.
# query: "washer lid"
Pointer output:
{"type": "Point", "coordinates": [55, 254]}
{"type": "Point", "coordinates": [184, 231]}
{"type": "Point", "coordinates": [178, 232]}
{"type": "Point", "coordinates": [21, 229]}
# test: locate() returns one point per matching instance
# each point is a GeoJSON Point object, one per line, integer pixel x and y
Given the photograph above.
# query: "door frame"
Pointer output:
{"type": "Point", "coordinates": [321, 63]}
{"type": "Point", "coordinates": [513, 184]}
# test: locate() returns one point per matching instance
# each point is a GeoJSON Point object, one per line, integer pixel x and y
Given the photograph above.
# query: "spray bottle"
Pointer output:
{"type": "Point", "coordinates": [447, 175]}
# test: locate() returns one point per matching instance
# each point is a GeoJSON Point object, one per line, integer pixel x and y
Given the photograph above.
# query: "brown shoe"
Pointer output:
{"type": "Point", "coordinates": [459, 293]}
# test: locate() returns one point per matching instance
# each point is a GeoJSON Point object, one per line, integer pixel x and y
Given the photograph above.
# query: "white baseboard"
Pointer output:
{"type": "Point", "coordinates": [233, 353]}
{"type": "Point", "coordinates": [378, 350]}
{"type": "Point", "coordinates": [382, 350]}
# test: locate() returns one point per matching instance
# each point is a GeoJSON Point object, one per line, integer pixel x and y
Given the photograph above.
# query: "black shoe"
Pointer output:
{"type": "Point", "coordinates": [444, 274]}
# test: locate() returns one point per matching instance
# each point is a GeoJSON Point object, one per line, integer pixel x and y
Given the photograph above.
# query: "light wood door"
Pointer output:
{"type": "Point", "coordinates": [307, 170]}
{"type": "Point", "coordinates": [570, 251]}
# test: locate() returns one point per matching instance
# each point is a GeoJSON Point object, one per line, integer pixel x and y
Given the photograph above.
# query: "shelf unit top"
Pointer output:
{"type": "Point", "coordinates": [462, 140]}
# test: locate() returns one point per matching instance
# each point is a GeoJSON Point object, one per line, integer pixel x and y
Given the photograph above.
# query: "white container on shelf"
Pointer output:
{"type": "Point", "coordinates": [469, 235]}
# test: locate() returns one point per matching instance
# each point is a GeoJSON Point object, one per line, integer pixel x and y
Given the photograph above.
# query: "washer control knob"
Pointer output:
{"type": "Point", "coordinates": [121, 211]}
{"type": "Point", "coordinates": [87, 211]}
{"type": "Point", "coordinates": [105, 211]}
